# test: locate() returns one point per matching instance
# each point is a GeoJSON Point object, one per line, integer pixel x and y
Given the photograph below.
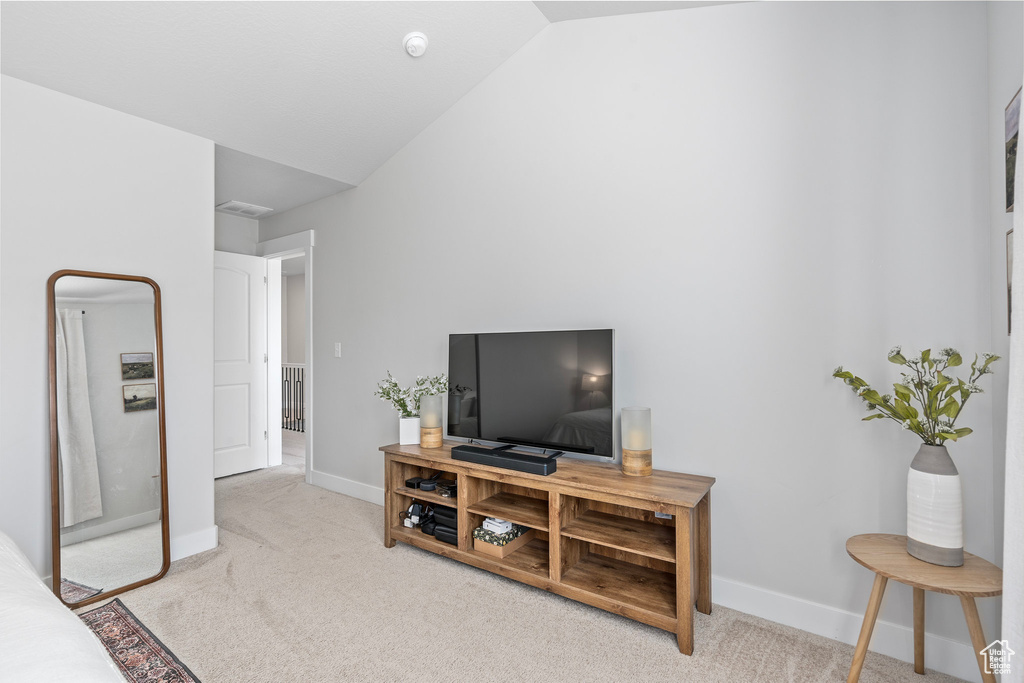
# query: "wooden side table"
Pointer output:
{"type": "Point", "coordinates": [886, 555]}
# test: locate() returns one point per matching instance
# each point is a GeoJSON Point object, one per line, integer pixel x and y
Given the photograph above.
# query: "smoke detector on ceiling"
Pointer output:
{"type": "Point", "coordinates": [415, 43]}
{"type": "Point", "coordinates": [243, 209]}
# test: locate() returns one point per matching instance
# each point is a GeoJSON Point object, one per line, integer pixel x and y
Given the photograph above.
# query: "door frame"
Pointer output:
{"type": "Point", "coordinates": [300, 243]}
{"type": "Point", "coordinates": [273, 378]}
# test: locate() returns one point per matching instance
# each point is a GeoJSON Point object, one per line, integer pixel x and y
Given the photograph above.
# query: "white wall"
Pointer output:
{"type": "Point", "coordinates": [750, 195]}
{"type": "Point", "coordinates": [79, 185]}
{"type": "Point", "coordinates": [235, 234]}
{"type": "Point", "coordinates": [293, 304]}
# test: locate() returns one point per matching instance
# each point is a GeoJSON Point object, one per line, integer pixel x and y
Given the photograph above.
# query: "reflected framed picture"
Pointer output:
{"type": "Point", "coordinates": [1009, 279]}
{"type": "Point", "coordinates": [139, 397]}
{"type": "Point", "coordinates": [137, 366]}
{"type": "Point", "coordinates": [1012, 133]}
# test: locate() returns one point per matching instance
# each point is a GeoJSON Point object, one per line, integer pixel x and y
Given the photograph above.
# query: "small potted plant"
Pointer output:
{"type": "Point", "coordinates": [927, 401]}
{"type": "Point", "coordinates": [407, 402]}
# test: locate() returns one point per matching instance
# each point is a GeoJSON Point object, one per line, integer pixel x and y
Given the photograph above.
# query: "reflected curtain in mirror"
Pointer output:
{"type": "Point", "coordinates": [108, 462]}
{"type": "Point", "coordinates": [79, 477]}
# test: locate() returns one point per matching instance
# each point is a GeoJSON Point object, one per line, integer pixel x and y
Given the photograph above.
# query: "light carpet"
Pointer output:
{"type": "Point", "coordinates": [116, 559]}
{"type": "Point", "coordinates": [293, 448]}
{"type": "Point", "coordinates": [303, 589]}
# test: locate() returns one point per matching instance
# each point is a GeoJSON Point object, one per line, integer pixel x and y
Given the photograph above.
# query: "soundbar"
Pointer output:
{"type": "Point", "coordinates": [521, 462]}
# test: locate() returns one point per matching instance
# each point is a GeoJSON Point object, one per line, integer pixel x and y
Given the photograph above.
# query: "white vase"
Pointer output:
{"type": "Point", "coordinates": [935, 509]}
{"type": "Point", "coordinates": [454, 409]}
{"type": "Point", "coordinates": [408, 430]}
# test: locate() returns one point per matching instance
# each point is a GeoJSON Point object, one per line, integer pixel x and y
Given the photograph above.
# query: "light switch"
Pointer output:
{"type": "Point", "coordinates": [337, 349]}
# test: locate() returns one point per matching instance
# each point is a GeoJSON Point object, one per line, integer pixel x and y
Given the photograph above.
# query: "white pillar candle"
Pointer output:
{"type": "Point", "coordinates": [430, 412]}
{"type": "Point", "coordinates": [636, 429]}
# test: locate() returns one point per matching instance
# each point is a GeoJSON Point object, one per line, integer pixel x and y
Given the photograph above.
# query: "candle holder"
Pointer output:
{"type": "Point", "coordinates": [636, 442]}
{"type": "Point", "coordinates": [430, 421]}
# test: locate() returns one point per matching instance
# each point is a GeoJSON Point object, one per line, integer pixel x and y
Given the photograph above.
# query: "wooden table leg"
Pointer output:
{"type": "Point", "coordinates": [874, 602]}
{"type": "Point", "coordinates": [919, 630]}
{"type": "Point", "coordinates": [704, 554]}
{"type": "Point", "coordinates": [684, 579]}
{"type": "Point", "coordinates": [977, 635]}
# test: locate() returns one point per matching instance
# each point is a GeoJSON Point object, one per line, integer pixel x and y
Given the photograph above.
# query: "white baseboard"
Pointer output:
{"type": "Point", "coordinates": [191, 544]}
{"type": "Point", "coordinates": [111, 527]}
{"type": "Point", "coordinates": [941, 654]}
{"type": "Point", "coordinates": [371, 494]}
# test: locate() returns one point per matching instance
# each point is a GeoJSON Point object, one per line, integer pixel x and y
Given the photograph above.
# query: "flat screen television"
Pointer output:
{"type": "Point", "coordinates": [547, 390]}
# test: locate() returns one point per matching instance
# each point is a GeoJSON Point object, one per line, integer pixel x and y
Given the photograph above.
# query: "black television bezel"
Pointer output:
{"type": "Point", "coordinates": [615, 455]}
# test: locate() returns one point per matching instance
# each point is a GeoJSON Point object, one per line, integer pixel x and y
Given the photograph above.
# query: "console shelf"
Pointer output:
{"type": "Point", "coordinates": [648, 590]}
{"type": "Point", "coordinates": [597, 538]}
{"type": "Point", "coordinates": [428, 496]}
{"type": "Point", "coordinates": [623, 533]}
{"type": "Point", "coordinates": [419, 539]}
{"type": "Point", "coordinates": [531, 558]}
{"type": "Point", "coordinates": [523, 510]}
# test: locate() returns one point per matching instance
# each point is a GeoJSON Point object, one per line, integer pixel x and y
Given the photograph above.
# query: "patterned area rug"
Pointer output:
{"type": "Point", "coordinates": [76, 592]}
{"type": "Point", "coordinates": [138, 653]}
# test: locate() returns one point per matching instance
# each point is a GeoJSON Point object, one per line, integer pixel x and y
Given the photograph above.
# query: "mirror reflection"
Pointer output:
{"type": "Point", "coordinates": [110, 513]}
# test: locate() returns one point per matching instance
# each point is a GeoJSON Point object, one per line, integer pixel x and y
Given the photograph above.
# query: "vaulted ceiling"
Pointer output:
{"type": "Point", "coordinates": [304, 99]}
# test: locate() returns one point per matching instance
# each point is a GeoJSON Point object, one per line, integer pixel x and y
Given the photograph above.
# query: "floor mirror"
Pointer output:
{"type": "Point", "coordinates": [108, 454]}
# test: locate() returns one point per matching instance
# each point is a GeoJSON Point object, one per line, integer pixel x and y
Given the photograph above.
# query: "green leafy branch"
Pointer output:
{"type": "Point", "coordinates": [406, 400]}
{"type": "Point", "coordinates": [939, 396]}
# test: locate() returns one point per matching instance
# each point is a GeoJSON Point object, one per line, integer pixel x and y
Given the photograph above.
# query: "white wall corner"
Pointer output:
{"type": "Point", "coordinates": [235, 234]}
{"type": "Point", "coordinates": [194, 543]}
{"type": "Point", "coordinates": [371, 494]}
{"type": "Point", "coordinates": [941, 654]}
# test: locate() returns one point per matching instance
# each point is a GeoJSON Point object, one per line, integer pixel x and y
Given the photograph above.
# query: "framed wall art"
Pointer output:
{"type": "Point", "coordinates": [139, 397]}
{"type": "Point", "coordinates": [137, 366]}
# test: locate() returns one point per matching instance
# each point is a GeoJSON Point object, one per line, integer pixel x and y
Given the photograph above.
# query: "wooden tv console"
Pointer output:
{"type": "Point", "coordinates": [597, 538]}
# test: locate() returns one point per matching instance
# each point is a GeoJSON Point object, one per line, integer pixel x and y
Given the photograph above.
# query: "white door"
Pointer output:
{"type": "Point", "coordinates": [240, 370]}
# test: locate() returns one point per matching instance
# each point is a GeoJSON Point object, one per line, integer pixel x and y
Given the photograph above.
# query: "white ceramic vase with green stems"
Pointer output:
{"type": "Point", "coordinates": [406, 400]}
{"type": "Point", "coordinates": [935, 508]}
{"type": "Point", "coordinates": [934, 493]}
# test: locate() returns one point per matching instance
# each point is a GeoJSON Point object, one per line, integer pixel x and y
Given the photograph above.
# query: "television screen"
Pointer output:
{"type": "Point", "coordinates": [550, 390]}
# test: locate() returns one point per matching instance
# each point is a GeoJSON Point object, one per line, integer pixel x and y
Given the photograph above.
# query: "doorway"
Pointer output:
{"type": "Point", "coordinates": [263, 357]}
{"type": "Point", "coordinates": [291, 344]}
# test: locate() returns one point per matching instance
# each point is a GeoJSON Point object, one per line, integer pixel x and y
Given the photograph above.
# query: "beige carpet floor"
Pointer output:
{"type": "Point", "coordinates": [293, 449]}
{"type": "Point", "coordinates": [303, 589]}
{"type": "Point", "coordinates": [115, 559]}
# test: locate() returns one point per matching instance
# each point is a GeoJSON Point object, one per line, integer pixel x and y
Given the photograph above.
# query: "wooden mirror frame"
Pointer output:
{"type": "Point", "coordinates": [51, 310]}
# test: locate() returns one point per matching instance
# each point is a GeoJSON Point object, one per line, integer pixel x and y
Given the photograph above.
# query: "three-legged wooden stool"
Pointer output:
{"type": "Point", "coordinates": [886, 555]}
